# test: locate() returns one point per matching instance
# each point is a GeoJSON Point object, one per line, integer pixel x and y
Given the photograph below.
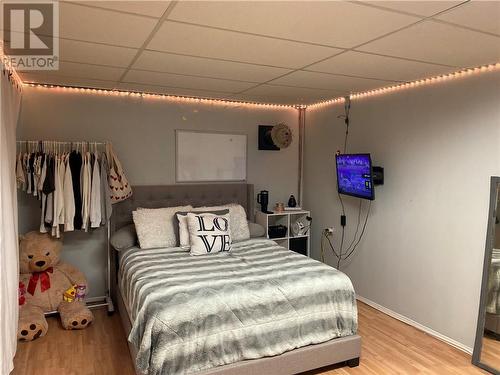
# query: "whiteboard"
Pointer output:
{"type": "Point", "coordinates": [210, 156]}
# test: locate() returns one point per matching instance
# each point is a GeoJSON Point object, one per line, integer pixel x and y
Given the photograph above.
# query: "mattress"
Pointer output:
{"type": "Point", "coordinates": [190, 313]}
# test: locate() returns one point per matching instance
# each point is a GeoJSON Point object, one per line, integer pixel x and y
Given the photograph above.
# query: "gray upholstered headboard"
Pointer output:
{"type": "Point", "coordinates": [182, 194]}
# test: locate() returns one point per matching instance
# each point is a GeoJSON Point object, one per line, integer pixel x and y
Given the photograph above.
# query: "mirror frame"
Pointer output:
{"type": "Point", "coordinates": [478, 344]}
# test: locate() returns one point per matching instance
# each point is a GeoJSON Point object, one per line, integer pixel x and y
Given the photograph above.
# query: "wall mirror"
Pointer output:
{"type": "Point", "coordinates": [487, 345]}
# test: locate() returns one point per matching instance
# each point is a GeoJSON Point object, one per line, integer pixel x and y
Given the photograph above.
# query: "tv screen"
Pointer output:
{"type": "Point", "coordinates": [354, 175]}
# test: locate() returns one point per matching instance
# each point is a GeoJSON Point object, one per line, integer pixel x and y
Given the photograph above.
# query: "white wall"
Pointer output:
{"type": "Point", "coordinates": [423, 249]}
{"type": "Point", "coordinates": [142, 133]}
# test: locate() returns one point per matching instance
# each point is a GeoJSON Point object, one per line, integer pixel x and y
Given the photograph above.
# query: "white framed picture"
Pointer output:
{"type": "Point", "coordinates": [210, 156]}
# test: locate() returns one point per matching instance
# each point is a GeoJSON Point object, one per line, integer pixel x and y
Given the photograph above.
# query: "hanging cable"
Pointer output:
{"type": "Point", "coordinates": [357, 226]}
{"type": "Point", "coordinates": [347, 109]}
{"type": "Point", "coordinates": [325, 235]}
{"type": "Point", "coordinates": [362, 232]}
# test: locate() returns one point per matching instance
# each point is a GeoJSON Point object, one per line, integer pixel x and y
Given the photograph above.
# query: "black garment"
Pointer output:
{"type": "Point", "coordinates": [49, 185]}
{"type": "Point", "coordinates": [31, 174]}
{"type": "Point", "coordinates": [75, 164]}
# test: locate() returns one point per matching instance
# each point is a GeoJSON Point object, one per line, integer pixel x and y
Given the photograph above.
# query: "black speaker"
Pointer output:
{"type": "Point", "coordinates": [378, 175]}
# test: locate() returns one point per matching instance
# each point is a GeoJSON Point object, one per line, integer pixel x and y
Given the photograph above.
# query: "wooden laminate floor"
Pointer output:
{"type": "Point", "coordinates": [389, 347]}
{"type": "Point", "coordinates": [490, 353]}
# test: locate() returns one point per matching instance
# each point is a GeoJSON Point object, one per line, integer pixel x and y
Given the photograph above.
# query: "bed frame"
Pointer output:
{"type": "Point", "coordinates": [341, 350]}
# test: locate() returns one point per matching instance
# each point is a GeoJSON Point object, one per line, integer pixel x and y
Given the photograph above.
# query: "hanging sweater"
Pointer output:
{"type": "Point", "coordinates": [106, 206]}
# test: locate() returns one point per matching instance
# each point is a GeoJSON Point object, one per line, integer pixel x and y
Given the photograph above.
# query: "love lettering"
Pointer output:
{"type": "Point", "coordinates": [224, 241]}
{"type": "Point", "coordinates": [210, 241]}
{"type": "Point", "coordinates": [216, 224]}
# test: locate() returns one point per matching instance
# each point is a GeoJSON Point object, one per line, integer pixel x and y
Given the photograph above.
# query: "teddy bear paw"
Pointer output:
{"type": "Point", "coordinates": [80, 323]}
{"type": "Point", "coordinates": [31, 331]}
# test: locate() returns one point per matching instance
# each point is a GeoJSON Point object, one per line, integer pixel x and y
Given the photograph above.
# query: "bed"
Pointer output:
{"type": "Point", "coordinates": [259, 309]}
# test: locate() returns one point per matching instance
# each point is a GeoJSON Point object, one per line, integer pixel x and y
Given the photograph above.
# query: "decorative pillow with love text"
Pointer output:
{"type": "Point", "coordinates": [208, 233]}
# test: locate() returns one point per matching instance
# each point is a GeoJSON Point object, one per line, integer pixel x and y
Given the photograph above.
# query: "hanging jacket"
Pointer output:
{"type": "Point", "coordinates": [75, 163]}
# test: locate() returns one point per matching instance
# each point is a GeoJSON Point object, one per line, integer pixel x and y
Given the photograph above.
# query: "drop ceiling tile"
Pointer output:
{"type": "Point", "coordinates": [172, 90]}
{"type": "Point", "coordinates": [439, 43]}
{"type": "Point", "coordinates": [480, 15]}
{"type": "Point", "coordinates": [52, 79]}
{"type": "Point", "coordinates": [188, 82]}
{"type": "Point", "coordinates": [333, 23]}
{"type": "Point", "coordinates": [328, 82]}
{"type": "Point", "coordinates": [165, 62]}
{"type": "Point", "coordinates": [381, 67]}
{"type": "Point", "coordinates": [77, 70]}
{"type": "Point", "coordinates": [92, 53]}
{"type": "Point", "coordinates": [146, 8]}
{"type": "Point", "coordinates": [206, 42]}
{"type": "Point", "coordinates": [296, 95]}
{"type": "Point", "coordinates": [422, 8]}
{"type": "Point", "coordinates": [104, 26]}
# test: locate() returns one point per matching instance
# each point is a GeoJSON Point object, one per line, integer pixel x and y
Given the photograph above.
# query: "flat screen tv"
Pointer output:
{"type": "Point", "coordinates": [354, 175]}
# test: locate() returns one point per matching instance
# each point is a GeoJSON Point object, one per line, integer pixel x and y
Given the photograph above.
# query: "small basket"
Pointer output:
{"type": "Point", "coordinates": [277, 231]}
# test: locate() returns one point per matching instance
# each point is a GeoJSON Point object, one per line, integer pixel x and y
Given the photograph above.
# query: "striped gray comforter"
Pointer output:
{"type": "Point", "coordinates": [193, 313]}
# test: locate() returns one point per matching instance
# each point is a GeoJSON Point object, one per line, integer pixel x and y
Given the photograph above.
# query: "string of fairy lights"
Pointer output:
{"type": "Point", "coordinates": [249, 104]}
{"type": "Point", "coordinates": [411, 84]}
{"type": "Point", "coordinates": [168, 97]}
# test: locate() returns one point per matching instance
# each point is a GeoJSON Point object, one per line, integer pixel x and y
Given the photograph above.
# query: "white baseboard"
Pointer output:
{"type": "Point", "coordinates": [415, 324]}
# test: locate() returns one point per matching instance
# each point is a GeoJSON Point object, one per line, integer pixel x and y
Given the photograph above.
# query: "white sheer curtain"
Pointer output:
{"type": "Point", "coordinates": [10, 97]}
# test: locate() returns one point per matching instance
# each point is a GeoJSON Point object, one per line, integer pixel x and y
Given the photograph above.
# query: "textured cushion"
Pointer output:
{"type": "Point", "coordinates": [209, 233]}
{"type": "Point", "coordinates": [155, 226]}
{"type": "Point", "coordinates": [182, 227]}
{"type": "Point", "coordinates": [256, 230]}
{"type": "Point", "coordinates": [124, 238]}
{"type": "Point", "coordinates": [238, 218]}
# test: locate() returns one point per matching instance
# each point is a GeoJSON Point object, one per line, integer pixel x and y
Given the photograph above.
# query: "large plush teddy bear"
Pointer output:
{"type": "Point", "coordinates": [48, 285]}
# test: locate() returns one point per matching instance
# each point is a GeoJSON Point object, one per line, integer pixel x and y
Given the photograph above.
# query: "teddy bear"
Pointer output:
{"type": "Point", "coordinates": [45, 280]}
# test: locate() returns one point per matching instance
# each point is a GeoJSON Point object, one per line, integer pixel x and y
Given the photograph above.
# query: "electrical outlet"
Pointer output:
{"type": "Point", "coordinates": [329, 230]}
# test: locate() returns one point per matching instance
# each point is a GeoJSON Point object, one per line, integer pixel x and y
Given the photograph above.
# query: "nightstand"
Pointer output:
{"type": "Point", "coordinates": [291, 241]}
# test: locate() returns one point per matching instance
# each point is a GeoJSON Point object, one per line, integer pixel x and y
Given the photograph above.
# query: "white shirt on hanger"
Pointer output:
{"type": "Point", "coordinates": [69, 198]}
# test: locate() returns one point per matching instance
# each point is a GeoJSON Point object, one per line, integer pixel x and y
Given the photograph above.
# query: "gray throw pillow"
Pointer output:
{"type": "Point", "coordinates": [124, 238]}
{"type": "Point", "coordinates": [239, 224]}
{"type": "Point", "coordinates": [256, 230]}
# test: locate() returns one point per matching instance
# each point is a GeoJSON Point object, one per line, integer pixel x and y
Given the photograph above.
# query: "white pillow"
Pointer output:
{"type": "Point", "coordinates": [155, 226]}
{"type": "Point", "coordinates": [183, 240]}
{"type": "Point", "coordinates": [238, 217]}
{"type": "Point", "coordinates": [209, 233]}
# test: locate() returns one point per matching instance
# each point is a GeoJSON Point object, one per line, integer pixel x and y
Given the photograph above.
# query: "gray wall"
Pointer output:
{"type": "Point", "coordinates": [142, 133]}
{"type": "Point", "coordinates": [422, 252]}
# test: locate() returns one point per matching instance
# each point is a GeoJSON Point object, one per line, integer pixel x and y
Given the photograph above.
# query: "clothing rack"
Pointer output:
{"type": "Point", "coordinates": [84, 146]}
{"type": "Point", "coordinates": [59, 146]}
